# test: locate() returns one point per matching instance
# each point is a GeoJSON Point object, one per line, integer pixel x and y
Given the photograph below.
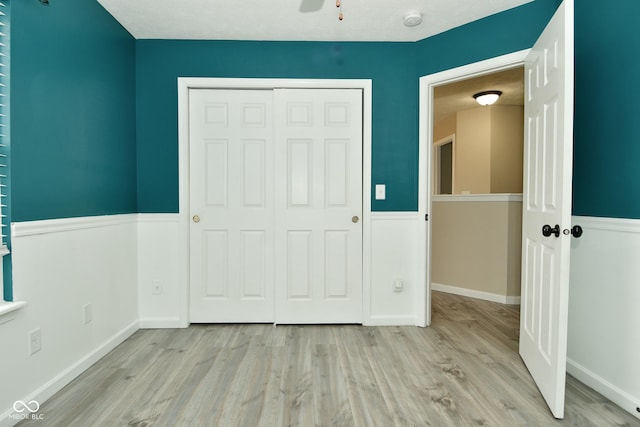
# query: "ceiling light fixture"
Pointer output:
{"type": "Point", "coordinates": [339, 6]}
{"type": "Point", "coordinates": [487, 97]}
{"type": "Point", "coordinates": [412, 19]}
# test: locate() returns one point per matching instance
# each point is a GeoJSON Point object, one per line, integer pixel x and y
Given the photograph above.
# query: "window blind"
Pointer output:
{"type": "Point", "coordinates": [4, 123]}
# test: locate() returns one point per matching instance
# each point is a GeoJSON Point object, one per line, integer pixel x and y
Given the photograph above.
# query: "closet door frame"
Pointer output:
{"type": "Point", "coordinates": [187, 83]}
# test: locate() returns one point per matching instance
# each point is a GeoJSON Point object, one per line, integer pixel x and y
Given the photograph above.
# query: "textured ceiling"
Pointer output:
{"type": "Point", "coordinates": [364, 20]}
{"type": "Point", "coordinates": [459, 95]}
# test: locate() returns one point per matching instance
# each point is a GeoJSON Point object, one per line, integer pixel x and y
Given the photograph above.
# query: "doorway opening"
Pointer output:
{"type": "Point", "coordinates": [476, 210]}
{"type": "Point", "coordinates": [466, 188]}
{"type": "Point", "coordinates": [444, 165]}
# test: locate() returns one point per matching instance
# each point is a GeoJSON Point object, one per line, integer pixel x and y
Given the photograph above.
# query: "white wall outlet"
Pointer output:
{"type": "Point", "coordinates": [381, 191]}
{"type": "Point", "coordinates": [35, 341]}
{"type": "Point", "coordinates": [156, 287]}
{"type": "Point", "coordinates": [87, 313]}
{"type": "Point", "coordinates": [398, 285]}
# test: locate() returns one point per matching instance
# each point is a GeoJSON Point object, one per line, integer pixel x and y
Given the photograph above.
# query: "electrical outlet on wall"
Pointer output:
{"type": "Point", "coordinates": [156, 287]}
{"type": "Point", "coordinates": [35, 341]}
{"type": "Point", "coordinates": [87, 313]}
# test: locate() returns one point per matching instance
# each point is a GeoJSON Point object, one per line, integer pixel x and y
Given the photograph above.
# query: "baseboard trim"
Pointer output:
{"type": "Point", "coordinates": [604, 387]}
{"type": "Point", "coordinates": [390, 320]}
{"type": "Point", "coordinates": [56, 384]}
{"type": "Point", "coordinates": [502, 299]}
{"type": "Point", "coordinates": [503, 197]}
{"type": "Point", "coordinates": [161, 323]}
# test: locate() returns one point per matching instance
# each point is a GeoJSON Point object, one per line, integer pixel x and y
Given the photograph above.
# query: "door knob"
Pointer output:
{"type": "Point", "coordinates": [547, 230]}
{"type": "Point", "coordinates": [576, 231]}
{"type": "Point", "coordinates": [196, 219]}
{"type": "Point", "coordinates": [355, 219]}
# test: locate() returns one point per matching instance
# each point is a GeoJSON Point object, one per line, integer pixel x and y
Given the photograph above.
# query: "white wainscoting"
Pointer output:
{"type": "Point", "coordinates": [394, 256]}
{"type": "Point", "coordinates": [162, 258]}
{"type": "Point", "coordinates": [604, 309]}
{"type": "Point", "coordinates": [59, 266]}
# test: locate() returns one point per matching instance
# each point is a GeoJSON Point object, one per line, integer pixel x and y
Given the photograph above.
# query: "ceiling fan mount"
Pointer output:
{"type": "Point", "coordinates": [307, 6]}
{"type": "Point", "coordinates": [315, 5]}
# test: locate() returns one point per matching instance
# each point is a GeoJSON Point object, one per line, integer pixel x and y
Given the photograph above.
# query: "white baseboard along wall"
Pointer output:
{"type": "Point", "coordinates": [472, 293]}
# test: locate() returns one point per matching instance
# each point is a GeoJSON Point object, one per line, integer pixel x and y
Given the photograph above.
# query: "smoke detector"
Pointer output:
{"type": "Point", "coordinates": [412, 19]}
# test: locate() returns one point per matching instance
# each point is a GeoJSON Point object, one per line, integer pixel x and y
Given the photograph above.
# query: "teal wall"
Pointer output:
{"type": "Point", "coordinates": [83, 145]}
{"type": "Point", "coordinates": [72, 111]}
{"type": "Point", "coordinates": [391, 66]}
{"type": "Point", "coordinates": [510, 31]}
{"type": "Point", "coordinates": [606, 177]}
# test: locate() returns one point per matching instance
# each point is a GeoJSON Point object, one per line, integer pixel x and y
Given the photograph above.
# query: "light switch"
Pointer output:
{"type": "Point", "coordinates": [381, 191]}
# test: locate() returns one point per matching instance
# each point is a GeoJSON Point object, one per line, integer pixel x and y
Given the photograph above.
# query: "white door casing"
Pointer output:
{"type": "Point", "coordinates": [231, 233]}
{"type": "Point", "coordinates": [547, 201]}
{"type": "Point", "coordinates": [318, 185]}
{"type": "Point", "coordinates": [182, 243]}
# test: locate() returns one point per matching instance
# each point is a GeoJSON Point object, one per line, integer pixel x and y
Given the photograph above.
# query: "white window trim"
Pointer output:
{"type": "Point", "coordinates": [9, 307]}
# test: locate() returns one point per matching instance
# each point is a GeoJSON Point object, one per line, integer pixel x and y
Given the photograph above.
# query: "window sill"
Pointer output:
{"type": "Point", "coordinates": [9, 307]}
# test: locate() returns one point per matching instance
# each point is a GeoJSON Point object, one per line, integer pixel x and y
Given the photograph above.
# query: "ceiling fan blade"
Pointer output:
{"type": "Point", "coordinates": [311, 5]}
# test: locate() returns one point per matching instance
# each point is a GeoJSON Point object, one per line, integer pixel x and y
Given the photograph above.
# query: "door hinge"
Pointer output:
{"type": "Point", "coordinates": [426, 217]}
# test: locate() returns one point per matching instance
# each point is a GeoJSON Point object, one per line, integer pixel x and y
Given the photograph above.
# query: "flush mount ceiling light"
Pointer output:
{"type": "Point", "coordinates": [487, 97]}
{"type": "Point", "coordinates": [412, 19]}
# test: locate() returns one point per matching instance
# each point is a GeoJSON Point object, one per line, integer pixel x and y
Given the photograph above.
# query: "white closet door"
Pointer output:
{"type": "Point", "coordinates": [318, 205]}
{"type": "Point", "coordinates": [231, 205]}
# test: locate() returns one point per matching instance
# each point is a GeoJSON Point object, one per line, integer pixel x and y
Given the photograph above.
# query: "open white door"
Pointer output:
{"type": "Point", "coordinates": [546, 238]}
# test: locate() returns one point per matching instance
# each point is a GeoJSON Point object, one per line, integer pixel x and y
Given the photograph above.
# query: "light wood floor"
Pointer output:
{"type": "Point", "coordinates": [464, 370]}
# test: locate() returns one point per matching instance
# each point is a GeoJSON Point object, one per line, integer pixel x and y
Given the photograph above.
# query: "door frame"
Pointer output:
{"type": "Point", "coordinates": [187, 83]}
{"type": "Point", "coordinates": [425, 141]}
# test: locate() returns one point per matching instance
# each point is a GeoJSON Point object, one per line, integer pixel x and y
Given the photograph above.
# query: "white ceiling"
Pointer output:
{"type": "Point", "coordinates": [364, 20]}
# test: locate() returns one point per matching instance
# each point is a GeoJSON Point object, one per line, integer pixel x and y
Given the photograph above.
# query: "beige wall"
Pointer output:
{"type": "Point", "coordinates": [488, 148]}
{"type": "Point", "coordinates": [444, 127]}
{"type": "Point", "coordinates": [473, 151]}
{"type": "Point", "coordinates": [476, 245]}
{"type": "Point", "coordinates": [507, 142]}
{"type": "Point", "coordinates": [514, 247]}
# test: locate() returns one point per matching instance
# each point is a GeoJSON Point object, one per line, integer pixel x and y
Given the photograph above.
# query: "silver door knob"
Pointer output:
{"type": "Point", "coordinates": [196, 219]}
{"type": "Point", "coordinates": [355, 219]}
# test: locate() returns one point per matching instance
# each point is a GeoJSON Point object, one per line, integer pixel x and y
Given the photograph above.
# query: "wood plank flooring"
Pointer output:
{"type": "Point", "coordinates": [464, 370]}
